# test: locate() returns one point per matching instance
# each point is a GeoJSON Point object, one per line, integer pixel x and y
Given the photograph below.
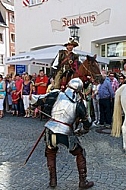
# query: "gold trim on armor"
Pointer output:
{"type": "Point", "coordinates": [53, 136]}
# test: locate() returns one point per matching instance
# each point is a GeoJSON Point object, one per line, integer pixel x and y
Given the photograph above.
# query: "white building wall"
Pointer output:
{"type": "Point", "coordinates": [33, 24]}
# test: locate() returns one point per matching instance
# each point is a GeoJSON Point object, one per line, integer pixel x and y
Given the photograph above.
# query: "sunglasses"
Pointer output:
{"type": "Point", "coordinates": [121, 78]}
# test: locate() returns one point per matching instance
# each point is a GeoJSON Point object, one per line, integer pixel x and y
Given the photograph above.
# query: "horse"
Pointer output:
{"type": "Point", "coordinates": [88, 67]}
{"type": "Point", "coordinates": [118, 125]}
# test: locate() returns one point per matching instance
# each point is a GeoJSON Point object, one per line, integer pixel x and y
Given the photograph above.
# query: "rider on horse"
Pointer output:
{"type": "Point", "coordinates": [66, 65]}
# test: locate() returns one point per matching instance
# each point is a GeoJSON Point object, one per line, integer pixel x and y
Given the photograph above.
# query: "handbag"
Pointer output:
{"type": "Point", "coordinates": [1, 96]}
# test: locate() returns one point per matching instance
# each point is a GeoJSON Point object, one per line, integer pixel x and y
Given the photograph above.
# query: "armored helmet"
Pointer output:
{"type": "Point", "coordinates": [76, 84]}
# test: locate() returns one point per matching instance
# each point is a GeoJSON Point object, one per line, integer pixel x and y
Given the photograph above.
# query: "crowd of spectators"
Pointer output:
{"type": "Point", "coordinates": [16, 92]}
{"type": "Point", "coordinates": [103, 94]}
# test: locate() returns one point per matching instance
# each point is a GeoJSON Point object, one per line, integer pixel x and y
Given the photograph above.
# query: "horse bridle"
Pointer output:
{"type": "Point", "coordinates": [87, 70]}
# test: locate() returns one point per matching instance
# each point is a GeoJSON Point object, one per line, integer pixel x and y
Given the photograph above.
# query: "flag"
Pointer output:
{"type": "Point", "coordinates": [25, 3]}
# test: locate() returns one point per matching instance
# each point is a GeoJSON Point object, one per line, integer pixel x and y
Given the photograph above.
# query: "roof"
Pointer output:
{"type": "Point", "coordinates": [9, 2]}
{"type": "Point", "coordinates": [9, 5]}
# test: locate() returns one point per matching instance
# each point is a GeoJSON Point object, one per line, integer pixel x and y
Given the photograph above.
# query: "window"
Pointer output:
{"type": "Point", "coordinates": [12, 37]}
{"type": "Point", "coordinates": [12, 18]}
{"type": "Point", "coordinates": [12, 54]}
{"type": "Point", "coordinates": [1, 59]}
{"type": "Point", "coordinates": [1, 37]}
{"type": "Point", "coordinates": [117, 49]}
{"type": "Point", "coordinates": [35, 2]}
{"type": "Point", "coordinates": [103, 50]}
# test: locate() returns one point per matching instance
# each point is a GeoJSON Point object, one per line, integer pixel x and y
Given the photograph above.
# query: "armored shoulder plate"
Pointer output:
{"type": "Point", "coordinates": [49, 101]}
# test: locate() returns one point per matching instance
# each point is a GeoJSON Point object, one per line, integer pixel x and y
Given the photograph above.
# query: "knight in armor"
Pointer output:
{"type": "Point", "coordinates": [62, 129]}
{"type": "Point", "coordinates": [66, 63]}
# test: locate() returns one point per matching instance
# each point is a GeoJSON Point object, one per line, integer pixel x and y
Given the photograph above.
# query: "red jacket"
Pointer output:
{"type": "Point", "coordinates": [15, 97]}
{"type": "Point", "coordinates": [42, 89]}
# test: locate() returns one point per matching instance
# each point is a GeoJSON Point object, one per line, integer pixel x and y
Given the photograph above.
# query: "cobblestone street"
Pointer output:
{"type": "Point", "coordinates": [105, 161]}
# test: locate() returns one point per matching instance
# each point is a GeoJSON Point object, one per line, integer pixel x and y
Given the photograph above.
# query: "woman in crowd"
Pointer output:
{"type": "Point", "coordinates": [8, 90]}
{"type": "Point", "coordinates": [2, 94]}
{"type": "Point", "coordinates": [124, 68]}
{"type": "Point", "coordinates": [95, 99]}
{"type": "Point", "coordinates": [26, 93]}
{"type": "Point", "coordinates": [50, 86]}
{"type": "Point", "coordinates": [122, 79]}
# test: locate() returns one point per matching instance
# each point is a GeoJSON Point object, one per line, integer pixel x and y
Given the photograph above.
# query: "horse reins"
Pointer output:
{"type": "Point", "coordinates": [87, 70]}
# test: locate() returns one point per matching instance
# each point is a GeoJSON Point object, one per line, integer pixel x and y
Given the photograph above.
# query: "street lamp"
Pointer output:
{"type": "Point", "coordinates": [74, 32]}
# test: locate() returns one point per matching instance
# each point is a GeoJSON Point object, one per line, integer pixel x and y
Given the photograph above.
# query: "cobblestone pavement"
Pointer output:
{"type": "Point", "coordinates": [105, 161]}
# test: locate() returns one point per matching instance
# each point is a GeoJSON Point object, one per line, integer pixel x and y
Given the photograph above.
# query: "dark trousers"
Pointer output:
{"type": "Point", "coordinates": [21, 110]}
{"type": "Point", "coordinates": [105, 111]}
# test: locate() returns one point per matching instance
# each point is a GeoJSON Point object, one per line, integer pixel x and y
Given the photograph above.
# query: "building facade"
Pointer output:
{"type": "Point", "coordinates": [7, 34]}
{"type": "Point", "coordinates": [46, 22]}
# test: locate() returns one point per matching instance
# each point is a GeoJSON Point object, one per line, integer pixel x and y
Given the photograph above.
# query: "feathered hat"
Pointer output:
{"type": "Point", "coordinates": [71, 42]}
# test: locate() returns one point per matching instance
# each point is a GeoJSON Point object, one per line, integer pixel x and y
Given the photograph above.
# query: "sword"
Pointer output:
{"type": "Point", "coordinates": [35, 146]}
{"type": "Point", "coordinates": [44, 113]}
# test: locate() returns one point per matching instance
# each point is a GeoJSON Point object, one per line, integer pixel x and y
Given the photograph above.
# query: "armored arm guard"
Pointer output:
{"type": "Point", "coordinates": [81, 109]}
{"type": "Point", "coordinates": [46, 101]}
{"type": "Point", "coordinates": [83, 124]}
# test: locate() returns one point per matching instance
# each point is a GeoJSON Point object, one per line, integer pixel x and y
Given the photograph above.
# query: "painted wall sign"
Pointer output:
{"type": "Point", "coordinates": [20, 69]}
{"type": "Point", "coordinates": [81, 19]}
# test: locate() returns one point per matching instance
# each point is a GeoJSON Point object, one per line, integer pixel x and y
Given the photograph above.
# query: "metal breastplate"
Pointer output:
{"type": "Point", "coordinates": [63, 111]}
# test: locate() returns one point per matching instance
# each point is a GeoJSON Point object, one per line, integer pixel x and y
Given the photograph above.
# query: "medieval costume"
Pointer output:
{"type": "Point", "coordinates": [66, 64]}
{"type": "Point", "coordinates": [61, 129]}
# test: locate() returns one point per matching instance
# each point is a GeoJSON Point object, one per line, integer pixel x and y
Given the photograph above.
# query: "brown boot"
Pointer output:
{"type": "Point", "coordinates": [53, 177]}
{"type": "Point", "coordinates": [82, 169]}
{"type": "Point", "coordinates": [83, 183]}
{"type": "Point", "coordinates": [51, 163]}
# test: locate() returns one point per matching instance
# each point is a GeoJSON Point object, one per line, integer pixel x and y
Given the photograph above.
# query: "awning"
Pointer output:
{"type": "Point", "coordinates": [46, 55]}
{"type": "Point", "coordinates": [22, 58]}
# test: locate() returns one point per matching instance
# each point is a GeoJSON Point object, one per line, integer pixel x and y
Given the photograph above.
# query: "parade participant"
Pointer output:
{"type": "Point", "coordinates": [66, 63]}
{"type": "Point", "coordinates": [68, 106]}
